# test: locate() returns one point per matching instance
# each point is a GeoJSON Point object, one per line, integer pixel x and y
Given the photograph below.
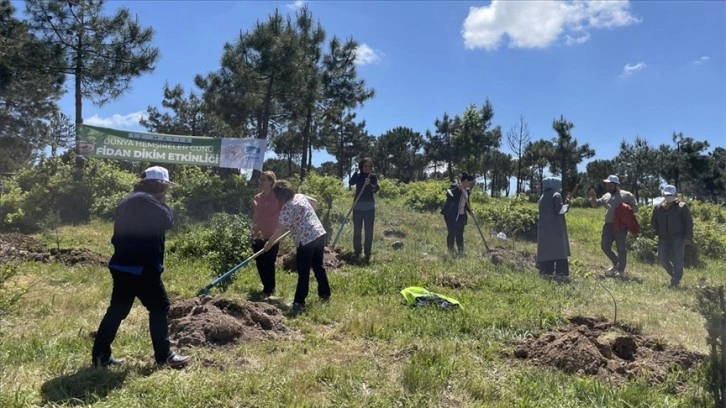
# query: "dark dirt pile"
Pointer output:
{"type": "Point", "coordinates": [214, 321]}
{"type": "Point", "coordinates": [515, 259]}
{"type": "Point", "coordinates": [332, 259]}
{"type": "Point", "coordinates": [616, 353]}
{"type": "Point", "coordinates": [19, 248]}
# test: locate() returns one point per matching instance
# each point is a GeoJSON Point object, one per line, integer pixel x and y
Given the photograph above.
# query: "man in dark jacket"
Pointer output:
{"type": "Point", "coordinates": [673, 224]}
{"type": "Point", "coordinates": [454, 212]}
{"type": "Point", "coordinates": [141, 221]}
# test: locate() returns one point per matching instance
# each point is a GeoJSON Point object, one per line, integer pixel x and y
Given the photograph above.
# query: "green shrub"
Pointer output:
{"type": "Point", "coordinates": [10, 205]}
{"type": "Point", "coordinates": [326, 189]}
{"type": "Point", "coordinates": [513, 216]}
{"type": "Point", "coordinates": [711, 305]}
{"type": "Point", "coordinates": [389, 188]}
{"type": "Point", "coordinates": [479, 196]}
{"type": "Point", "coordinates": [223, 243]}
{"type": "Point", "coordinates": [644, 249]}
{"type": "Point", "coordinates": [202, 193]}
{"type": "Point", "coordinates": [56, 188]}
{"type": "Point", "coordinates": [705, 211]}
{"type": "Point", "coordinates": [709, 240]}
{"type": "Point", "coordinates": [643, 216]}
{"type": "Point", "coordinates": [109, 186]}
{"type": "Point", "coordinates": [580, 202]}
{"type": "Point", "coordinates": [426, 196]}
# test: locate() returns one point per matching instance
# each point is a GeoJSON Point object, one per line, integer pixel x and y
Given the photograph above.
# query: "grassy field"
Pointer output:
{"type": "Point", "coordinates": [365, 347]}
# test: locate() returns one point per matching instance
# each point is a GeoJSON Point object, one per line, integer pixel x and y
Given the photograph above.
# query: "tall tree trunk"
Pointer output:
{"type": "Point", "coordinates": [340, 162]}
{"type": "Point", "coordinates": [519, 175]}
{"type": "Point", "coordinates": [80, 160]}
{"type": "Point", "coordinates": [541, 178]}
{"type": "Point", "coordinates": [77, 82]}
{"type": "Point", "coordinates": [304, 164]}
{"type": "Point", "coordinates": [310, 155]}
{"type": "Point", "coordinates": [267, 110]}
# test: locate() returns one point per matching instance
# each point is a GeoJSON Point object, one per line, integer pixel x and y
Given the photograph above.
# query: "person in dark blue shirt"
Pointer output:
{"type": "Point", "coordinates": [364, 211]}
{"type": "Point", "coordinates": [140, 224]}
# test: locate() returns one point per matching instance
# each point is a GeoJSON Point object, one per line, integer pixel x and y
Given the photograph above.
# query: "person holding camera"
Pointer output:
{"type": "Point", "coordinates": [364, 210]}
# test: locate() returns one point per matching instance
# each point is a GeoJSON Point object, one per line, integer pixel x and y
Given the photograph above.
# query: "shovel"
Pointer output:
{"type": "Point", "coordinates": [206, 289]}
{"type": "Point", "coordinates": [480, 233]}
{"type": "Point", "coordinates": [345, 220]}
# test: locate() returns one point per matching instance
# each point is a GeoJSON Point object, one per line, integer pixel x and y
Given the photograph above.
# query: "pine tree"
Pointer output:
{"type": "Point", "coordinates": [102, 53]}
{"type": "Point", "coordinates": [28, 89]}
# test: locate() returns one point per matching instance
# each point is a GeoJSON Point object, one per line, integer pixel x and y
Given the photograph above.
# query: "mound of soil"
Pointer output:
{"type": "Point", "coordinates": [215, 321]}
{"type": "Point", "coordinates": [596, 347]}
{"type": "Point", "coordinates": [19, 248]}
{"type": "Point", "coordinates": [516, 260]}
{"type": "Point", "coordinates": [332, 259]}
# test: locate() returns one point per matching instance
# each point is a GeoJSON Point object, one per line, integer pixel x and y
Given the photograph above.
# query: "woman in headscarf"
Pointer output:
{"type": "Point", "coordinates": [553, 245]}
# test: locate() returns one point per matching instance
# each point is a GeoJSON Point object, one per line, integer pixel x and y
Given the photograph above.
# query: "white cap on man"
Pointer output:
{"type": "Point", "coordinates": [669, 190]}
{"type": "Point", "coordinates": [157, 173]}
{"type": "Point", "coordinates": [612, 179]}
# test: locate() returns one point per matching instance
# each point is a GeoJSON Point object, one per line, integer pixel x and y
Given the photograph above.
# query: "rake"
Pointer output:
{"type": "Point", "coordinates": [229, 273]}
{"type": "Point", "coordinates": [345, 220]}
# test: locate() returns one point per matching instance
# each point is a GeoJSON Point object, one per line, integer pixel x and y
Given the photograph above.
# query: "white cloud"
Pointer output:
{"type": "Point", "coordinates": [540, 23]}
{"type": "Point", "coordinates": [630, 69]}
{"type": "Point", "coordinates": [296, 5]}
{"type": "Point", "coordinates": [116, 120]}
{"type": "Point", "coordinates": [578, 36]}
{"type": "Point", "coordinates": [366, 55]}
{"type": "Point", "coordinates": [701, 60]}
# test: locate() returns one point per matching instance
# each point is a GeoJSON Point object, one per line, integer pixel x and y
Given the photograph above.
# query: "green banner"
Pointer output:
{"type": "Point", "coordinates": [94, 141]}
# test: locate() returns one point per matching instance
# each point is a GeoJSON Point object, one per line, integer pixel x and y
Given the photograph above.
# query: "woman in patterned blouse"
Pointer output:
{"type": "Point", "coordinates": [298, 216]}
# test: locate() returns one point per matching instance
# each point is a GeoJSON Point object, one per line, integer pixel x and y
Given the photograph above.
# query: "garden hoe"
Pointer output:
{"type": "Point", "coordinates": [480, 233]}
{"type": "Point", "coordinates": [345, 220]}
{"type": "Point", "coordinates": [206, 289]}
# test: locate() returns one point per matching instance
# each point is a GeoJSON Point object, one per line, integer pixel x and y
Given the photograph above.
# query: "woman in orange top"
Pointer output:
{"type": "Point", "coordinates": [264, 221]}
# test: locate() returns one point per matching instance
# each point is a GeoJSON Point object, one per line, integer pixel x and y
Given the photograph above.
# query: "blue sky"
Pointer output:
{"type": "Point", "coordinates": [615, 69]}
